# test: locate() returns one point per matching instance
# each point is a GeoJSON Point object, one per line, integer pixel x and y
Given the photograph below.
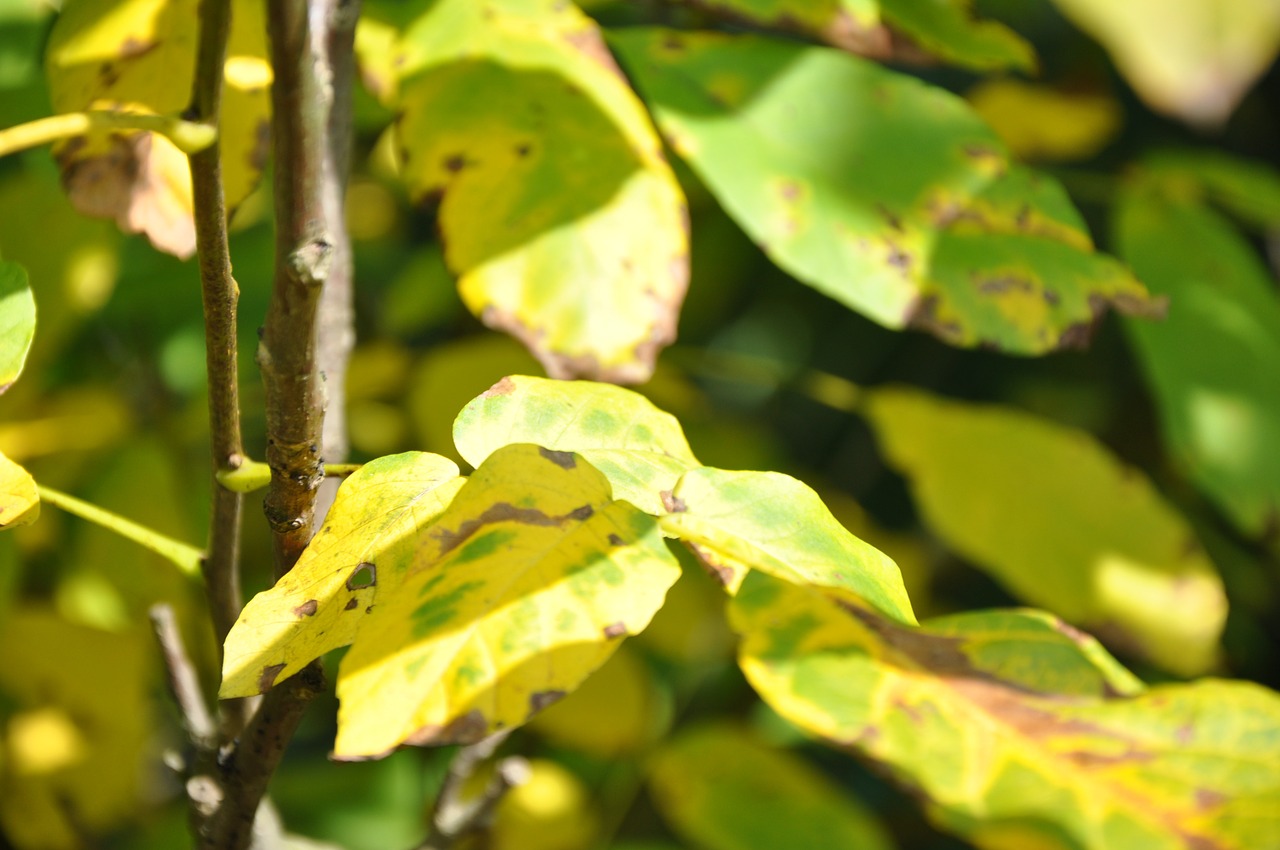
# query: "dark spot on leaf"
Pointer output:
{"type": "Point", "coordinates": [541, 699]}
{"type": "Point", "coordinates": [565, 460]}
{"type": "Point", "coordinates": [523, 150]}
{"type": "Point", "coordinates": [499, 512]}
{"type": "Point", "coordinates": [1003, 284]}
{"type": "Point", "coordinates": [889, 217]}
{"type": "Point", "coordinates": [131, 48]}
{"type": "Point", "coordinates": [351, 604]}
{"type": "Point", "coordinates": [615, 540]}
{"type": "Point", "coordinates": [453, 163]}
{"type": "Point", "coordinates": [1051, 298]}
{"type": "Point", "coordinates": [365, 575]}
{"type": "Point", "coordinates": [369, 610]}
{"type": "Point", "coordinates": [504, 387]}
{"type": "Point", "coordinates": [981, 152]}
{"type": "Point", "coordinates": [467, 729]}
{"type": "Point", "coordinates": [898, 258]}
{"type": "Point", "coordinates": [268, 677]}
{"type": "Point", "coordinates": [614, 630]}
{"type": "Point", "coordinates": [306, 609]}
{"type": "Point", "coordinates": [583, 513]}
{"type": "Point", "coordinates": [1209, 799]}
{"type": "Point", "coordinates": [673, 503]}
{"type": "Point", "coordinates": [672, 42]}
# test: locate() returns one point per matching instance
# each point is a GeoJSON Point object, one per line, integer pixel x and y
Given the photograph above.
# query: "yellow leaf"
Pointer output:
{"type": "Point", "coordinates": [1038, 122]}
{"type": "Point", "coordinates": [19, 501]}
{"type": "Point", "coordinates": [551, 810]}
{"type": "Point", "coordinates": [521, 589]}
{"type": "Point", "coordinates": [360, 556]}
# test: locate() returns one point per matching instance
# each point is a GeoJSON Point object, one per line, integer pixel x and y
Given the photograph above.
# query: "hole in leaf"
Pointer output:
{"type": "Point", "coordinates": [366, 575]}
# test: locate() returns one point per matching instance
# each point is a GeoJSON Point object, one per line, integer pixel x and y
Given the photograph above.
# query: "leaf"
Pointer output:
{"type": "Point", "coordinates": [1217, 398]}
{"type": "Point", "coordinates": [721, 789]}
{"type": "Point", "coordinates": [772, 522]}
{"type": "Point", "coordinates": [523, 587]}
{"type": "Point", "coordinates": [1039, 122]}
{"type": "Point", "coordinates": [1058, 520]}
{"type": "Point", "coordinates": [559, 213]}
{"type": "Point", "coordinates": [946, 30]}
{"type": "Point", "coordinates": [1248, 189]}
{"type": "Point", "coordinates": [17, 322]}
{"type": "Point", "coordinates": [19, 500]}
{"type": "Point", "coordinates": [551, 810]}
{"type": "Point", "coordinates": [616, 712]}
{"type": "Point", "coordinates": [1194, 61]}
{"type": "Point", "coordinates": [362, 554]}
{"type": "Point", "coordinates": [1008, 726]}
{"type": "Point", "coordinates": [639, 448]}
{"type": "Point", "coordinates": [899, 203]}
{"type": "Point", "coordinates": [139, 56]}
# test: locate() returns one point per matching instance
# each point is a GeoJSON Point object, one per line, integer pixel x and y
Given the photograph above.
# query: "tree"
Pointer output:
{"type": "Point", "coordinates": [566, 611]}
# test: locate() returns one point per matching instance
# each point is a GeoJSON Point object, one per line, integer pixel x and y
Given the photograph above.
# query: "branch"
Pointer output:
{"type": "Point", "coordinates": [184, 684]}
{"type": "Point", "coordinates": [456, 816]}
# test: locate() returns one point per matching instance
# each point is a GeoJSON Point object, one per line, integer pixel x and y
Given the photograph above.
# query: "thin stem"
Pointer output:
{"type": "Point", "coordinates": [187, 558]}
{"type": "Point", "coordinates": [457, 815]}
{"type": "Point", "coordinates": [189, 137]}
{"type": "Point", "coordinates": [184, 683]}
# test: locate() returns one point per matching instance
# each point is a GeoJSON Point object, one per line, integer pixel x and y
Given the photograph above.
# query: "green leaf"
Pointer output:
{"type": "Point", "coordinates": [1058, 520]}
{"type": "Point", "coordinates": [1195, 62]}
{"type": "Point", "coordinates": [1248, 189]}
{"type": "Point", "coordinates": [1009, 727]}
{"type": "Point", "coordinates": [17, 322]}
{"type": "Point", "coordinates": [139, 55]}
{"type": "Point", "coordinates": [1218, 398]}
{"type": "Point", "coordinates": [19, 500]}
{"type": "Point", "coordinates": [947, 30]}
{"type": "Point", "coordinates": [898, 201]}
{"type": "Point", "coordinates": [559, 213]}
{"type": "Point", "coordinates": [525, 585]}
{"type": "Point", "coordinates": [362, 554]}
{"type": "Point", "coordinates": [639, 448]}
{"type": "Point", "coordinates": [720, 789]}
{"type": "Point", "coordinates": [772, 522]}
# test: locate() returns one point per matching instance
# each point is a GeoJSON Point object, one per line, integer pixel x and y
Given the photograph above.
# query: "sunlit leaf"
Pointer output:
{"type": "Point", "coordinates": [360, 555]}
{"type": "Point", "coordinates": [17, 322]}
{"type": "Point", "coordinates": [1195, 60]}
{"type": "Point", "coordinates": [772, 522]}
{"type": "Point", "coordinates": [895, 199]}
{"type": "Point", "coordinates": [139, 56]}
{"type": "Point", "coordinates": [1219, 398]}
{"type": "Point", "coordinates": [524, 585]}
{"type": "Point", "coordinates": [78, 725]}
{"type": "Point", "coordinates": [1058, 520]}
{"type": "Point", "coordinates": [946, 29]}
{"type": "Point", "coordinates": [720, 789]}
{"type": "Point", "coordinates": [559, 213]}
{"type": "Point", "coordinates": [1017, 730]}
{"type": "Point", "coordinates": [551, 810]}
{"type": "Point", "coordinates": [639, 448]}
{"type": "Point", "coordinates": [1039, 122]}
{"type": "Point", "coordinates": [19, 501]}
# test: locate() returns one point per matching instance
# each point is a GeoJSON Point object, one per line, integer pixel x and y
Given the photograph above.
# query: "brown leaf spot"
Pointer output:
{"type": "Point", "coordinates": [504, 387]}
{"type": "Point", "coordinates": [132, 48]}
{"type": "Point", "coordinates": [673, 503]}
{"type": "Point", "coordinates": [268, 677]}
{"type": "Point", "coordinates": [923, 315]}
{"type": "Point", "coordinates": [564, 460]}
{"type": "Point", "coordinates": [501, 512]}
{"type": "Point", "coordinates": [467, 729]}
{"type": "Point", "coordinates": [614, 630]}
{"type": "Point", "coordinates": [1004, 283]}
{"type": "Point", "coordinates": [306, 609]}
{"type": "Point", "coordinates": [454, 162]}
{"type": "Point", "coordinates": [1209, 799]}
{"type": "Point", "coordinates": [351, 605]}
{"type": "Point", "coordinates": [541, 699]}
{"type": "Point", "coordinates": [722, 574]}
{"type": "Point", "coordinates": [615, 540]}
{"type": "Point", "coordinates": [365, 575]}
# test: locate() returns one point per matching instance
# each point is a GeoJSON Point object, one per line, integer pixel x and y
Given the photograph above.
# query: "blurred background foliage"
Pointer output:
{"type": "Point", "coordinates": [762, 376]}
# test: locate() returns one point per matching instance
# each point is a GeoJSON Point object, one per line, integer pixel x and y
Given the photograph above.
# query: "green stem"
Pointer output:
{"type": "Point", "coordinates": [186, 558]}
{"type": "Point", "coordinates": [189, 137]}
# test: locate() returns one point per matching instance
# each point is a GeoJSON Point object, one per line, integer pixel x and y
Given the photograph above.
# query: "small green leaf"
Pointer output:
{"type": "Point", "coordinates": [1058, 520]}
{"type": "Point", "coordinates": [17, 322]}
{"type": "Point", "coordinates": [1248, 189]}
{"type": "Point", "coordinates": [720, 789]}
{"type": "Point", "coordinates": [1219, 398]}
{"type": "Point", "coordinates": [19, 499]}
{"type": "Point", "coordinates": [522, 588]}
{"type": "Point", "coordinates": [895, 199]}
{"type": "Point", "coordinates": [772, 522]}
{"type": "Point", "coordinates": [639, 448]}
{"type": "Point", "coordinates": [560, 215]}
{"type": "Point", "coordinates": [361, 555]}
{"type": "Point", "coordinates": [1012, 727]}
{"type": "Point", "coordinates": [947, 30]}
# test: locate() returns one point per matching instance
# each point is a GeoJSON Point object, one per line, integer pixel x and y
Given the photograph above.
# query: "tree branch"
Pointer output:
{"type": "Point", "coordinates": [184, 684]}
{"type": "Point", "coordinates": [457, 815]}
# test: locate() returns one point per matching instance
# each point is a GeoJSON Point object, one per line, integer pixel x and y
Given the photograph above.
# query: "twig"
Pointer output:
{"type": "Point", "coordinates": [187, 136]}
{"type": "Point", "coordinates": [184, 684]}
{"type": "Point", "coordinates": [455, 816]}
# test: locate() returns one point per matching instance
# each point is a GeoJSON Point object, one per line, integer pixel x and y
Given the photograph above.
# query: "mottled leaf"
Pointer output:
{"type": "Point", "coordinates": [1214, 364]}
{"type": "Point", "coordinates": [361, 554]}
{"type": "Point", "coordinates": [946, 29]}
{"type": "Point", "coordinates": [1040, 122]}
{"type": "Point", "coordinates": [17, 322]}
{"type": "Point", "coordinates": [139, 56]}
{"type": "Point", "coordinates": [524, 586]}
{"type": "Point", "coordinates": [639, 448]}
{"type": "Point", "coordinates": [848, 24]}
{"type": "Point", "coordinates": [721, 789]}
{"type": "Point", "coordinates": [772, 522]}
{"type": "Point", "coordinates": [559, 213]}
{"type": "Point", "coordinates": [19, 501]}
{"type": "Point", "coordinates": [1058, 520]}
{"type": "Point", "coordinates": [898, 201]}
{"type": "Point", "coordinates": [1194, 60]}
{"type": "Point", "coordinates": [1012, 731]}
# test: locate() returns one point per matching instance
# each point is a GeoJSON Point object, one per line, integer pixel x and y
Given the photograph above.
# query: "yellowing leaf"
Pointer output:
{"type": "Point", "coordinates": [1195, 59]}
{"type": "Point", "coordinates": [17, 322]}
{"type": "Point", "coordinates": [559, 212]}
{"type": "Point", "coordinates": [550, 810]}
{"type": "Point", "coordinates": [886, 194]}
{"type": "Point", "coordinates": [19, 501]}
{"type": "Point", "coordinates": [139, 56]}
{"type": "Point", "coordinates": [522, 587]}
{"type": "Point", "coordinates": [1044, 123]}
{"type": "Point", "coordinates": [639, 448]}
{"type": "Point", "coordinates": [360, 556]}
{"type": "Point", "coordinates": [1058, 520]}
{"type": "Point", "coordinates": [722, 790]}
{"type": "Point", "coordinates": [772, 522]}
{"type": "Point", "coordinates": [1018, 730]}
